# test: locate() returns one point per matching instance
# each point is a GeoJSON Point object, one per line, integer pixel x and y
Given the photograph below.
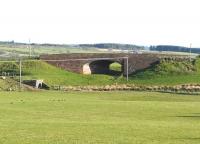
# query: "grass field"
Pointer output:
{"type": "Point", "coordinates": [36, 51]}
{"type": "Point", "coordinates": [99, 118]}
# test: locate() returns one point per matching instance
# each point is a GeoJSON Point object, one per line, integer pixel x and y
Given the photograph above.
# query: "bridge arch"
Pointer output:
{"type": "Point", "coordinates": [101, 67]}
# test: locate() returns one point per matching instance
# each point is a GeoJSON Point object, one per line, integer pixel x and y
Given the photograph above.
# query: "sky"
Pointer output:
{"type": "Point", "coordinates": [141, 22]}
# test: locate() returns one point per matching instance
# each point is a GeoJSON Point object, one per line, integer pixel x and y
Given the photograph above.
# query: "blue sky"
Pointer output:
{"type": "Point", "coordinates": [142, 22]}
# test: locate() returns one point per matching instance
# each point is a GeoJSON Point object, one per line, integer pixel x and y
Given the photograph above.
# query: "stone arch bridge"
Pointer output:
{"type": "Point", "coordinates": [99, 63]}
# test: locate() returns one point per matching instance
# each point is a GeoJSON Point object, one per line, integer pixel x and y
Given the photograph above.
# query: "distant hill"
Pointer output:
{"type": "Point", "coordinates": [114, 46]}
{"type": "Point", "coordinates": [174, 48]}
{"type": "Point", "coordinates": [99, 45]}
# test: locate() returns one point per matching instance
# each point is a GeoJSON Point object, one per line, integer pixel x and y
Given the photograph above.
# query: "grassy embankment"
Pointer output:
{"type": "Point", "coordinates": [35, 69]}
{"type": "Point", "coordinates": [165, 73]}
{"type": "Point", "coordinates": [170, 73]}
{"type": "Point", "coordinates": [53, 75]}
{"type": "Point", "coordinates": [99, 117]}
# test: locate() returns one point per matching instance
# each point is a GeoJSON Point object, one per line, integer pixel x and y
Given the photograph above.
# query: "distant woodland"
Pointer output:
{"type": "Point", "coordinates": [174, 49]}
{"type": "Point", "coordinates": [102, 46]}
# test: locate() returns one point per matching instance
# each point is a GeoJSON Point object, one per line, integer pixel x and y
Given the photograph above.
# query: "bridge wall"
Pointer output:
{"type": "Point", "coordinates": [73, 63]}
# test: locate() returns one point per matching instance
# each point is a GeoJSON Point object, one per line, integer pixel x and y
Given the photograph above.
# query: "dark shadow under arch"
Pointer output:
{"type": "Point", "coordinates": [103, 67]}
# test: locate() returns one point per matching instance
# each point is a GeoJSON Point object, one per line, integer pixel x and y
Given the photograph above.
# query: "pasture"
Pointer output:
{"type": "Point", "coordinates": [46, 117]}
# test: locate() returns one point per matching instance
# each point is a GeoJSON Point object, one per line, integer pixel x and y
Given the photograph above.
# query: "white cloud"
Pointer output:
{"type": "Point", "coordinates": [142, 22]}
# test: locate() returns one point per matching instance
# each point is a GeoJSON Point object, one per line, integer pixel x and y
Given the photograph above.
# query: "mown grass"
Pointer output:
{"type": "Point", "coordinates": [99, 117]}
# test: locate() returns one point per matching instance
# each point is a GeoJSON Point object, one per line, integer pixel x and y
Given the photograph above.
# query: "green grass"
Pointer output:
{"type": "Point", "coordinates": [166, 73]}
{"type": "Point", "coordinates": [38, 50]}
{"type": "Point", "coordinates": [35, 69]}
{"type": "Point", "coordinates": [167, 80]}
{"type": "Point", "coordinates": [99, 117]}
{"type": "Point", "coordinates": [169, 73]}
{"type": "Point", "coordinates": [115, 67]}
{"type": "Point", "coordinates": [53, 76]}
{"type": "Point", "coordinates": [8, 84]}
{"type": "Point", "coordinates": [56, 76]}
{"type": "Point", "coordinates": [163, 74]}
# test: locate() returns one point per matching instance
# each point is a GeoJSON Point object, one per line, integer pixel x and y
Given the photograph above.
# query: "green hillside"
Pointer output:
{"type": "Point", "coordinates": [169, 73]}
{"type": "Point", "coordinates": [164, 73]}
{"type": "Point", "coordinates": [56, 76]}
{"type": "Point", "coordinates": [8, 85]}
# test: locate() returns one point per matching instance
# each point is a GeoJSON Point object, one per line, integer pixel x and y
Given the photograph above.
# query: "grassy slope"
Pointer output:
{"type": "Point", "coordinates": [8, 84]}
{"type": "Point", "coordinates": [163, 74]}
{"type": "Point", "coordinates": [106, 118]}
{"type": "Point", "coordinates": [167, 80]}
{"type": "Point", "coordinates": [54, 76]}
{"type": "Point", "coordinates": [168, 75]}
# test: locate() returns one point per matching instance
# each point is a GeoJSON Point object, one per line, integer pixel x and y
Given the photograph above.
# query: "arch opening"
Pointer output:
{"type": "Point", "coordinates": [103, 67]}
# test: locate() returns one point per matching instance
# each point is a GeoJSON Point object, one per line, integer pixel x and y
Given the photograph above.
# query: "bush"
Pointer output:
{"type": "Point", "coordinates": [9, 67]}
{"type": "Point", "coordinates": [168, 68]}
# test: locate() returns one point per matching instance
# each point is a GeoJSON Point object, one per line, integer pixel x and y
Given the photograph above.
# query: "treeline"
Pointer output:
{"type": "Point", "coordinates": [174, 48]}
{"type": "Point", "coordinates": [113, 46]}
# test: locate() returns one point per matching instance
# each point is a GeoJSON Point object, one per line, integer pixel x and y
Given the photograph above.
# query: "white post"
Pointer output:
{"type": "Point", "coordinates": [190, 50]}
{"type": "Point", "coordinates": [20, 74]}
{"type": "Point", "coordinates": [29, 45]}
{"type": "Point", "coordinates": [127, 69]}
